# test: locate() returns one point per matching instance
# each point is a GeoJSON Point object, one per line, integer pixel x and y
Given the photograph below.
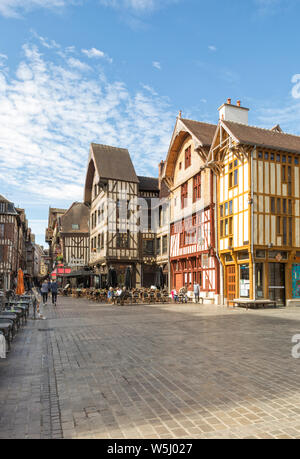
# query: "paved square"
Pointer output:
{"type": "Point", "coordinates": [159, 371]}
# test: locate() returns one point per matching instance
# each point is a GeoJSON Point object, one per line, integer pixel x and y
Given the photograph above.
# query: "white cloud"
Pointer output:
{"type": "Point", "coordinates": [212, 48]}
{"type": "Point", "coordinates": [77, 64]}
{"type": "Point", "coordinates": [137, 6]}
{"type": "Point", "coordinates": [96, 53]}
{"type": "Point", "coordinates": [156, 65]}
{"type": "Point", "coordinates": [15, 8]}
{"type": "Point", "coordinates": [52, 110]}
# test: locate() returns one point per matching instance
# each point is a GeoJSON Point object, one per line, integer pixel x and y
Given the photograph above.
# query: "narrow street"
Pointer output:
{"type": "Point", "coordinates": [160, 371]}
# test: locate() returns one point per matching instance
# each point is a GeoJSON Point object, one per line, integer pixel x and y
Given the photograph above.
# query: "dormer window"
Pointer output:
{"type": "Point", "coordinates": [75, 226]}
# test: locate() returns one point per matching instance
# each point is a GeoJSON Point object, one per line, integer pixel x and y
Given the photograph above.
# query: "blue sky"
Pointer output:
{"type": "Point", "coordinates": [117, 72]}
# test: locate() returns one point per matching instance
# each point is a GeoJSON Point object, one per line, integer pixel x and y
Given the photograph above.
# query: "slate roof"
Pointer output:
{"type": "Point", "coordinates": [267, 138]}
{"type": "Point", "coordinates": [78, 214]}
{"type": "Point", "coordinates": [203, 131]}
{"type": "Point", "coordinates": [114, 163]}
{"type": "Point", "coordinates": [148, 183]}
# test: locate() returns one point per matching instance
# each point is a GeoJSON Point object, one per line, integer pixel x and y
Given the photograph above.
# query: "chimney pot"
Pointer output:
{"type": "Point", "coordinates": [180, 113]}
{"type": "Point", "coordinates": [229, 101]}
{"type": "Point", "coordinates": [238, 103]}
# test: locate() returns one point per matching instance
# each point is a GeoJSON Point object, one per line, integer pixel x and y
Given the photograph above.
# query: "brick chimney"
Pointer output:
{"type": "Point", "coordinates": [235, 113]}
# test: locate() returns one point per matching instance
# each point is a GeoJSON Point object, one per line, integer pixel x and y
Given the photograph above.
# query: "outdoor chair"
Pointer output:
{"type": "Point", "coordinates": [158, 297]}
{"type": "Point", "coordinates": [6, 327]}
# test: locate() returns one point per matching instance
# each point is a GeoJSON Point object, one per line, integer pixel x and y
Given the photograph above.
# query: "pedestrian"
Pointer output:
{"type": "Point", "coordinates": [183, 294]}
{"type": "Point", "coordinates": [196, 292]}
{"type": "Point", "coordinates": [110, 295]}
{"type": "Point", "coordinates": [49, 285]}
{"type": "Point", "coordinates": [44, 291]}
{"type": "Point", "coordinates": [174, 295]}
{"type": "Point", "coordinates": [54, 289]}
{"type": "Point", "coordinates": [38, 304]}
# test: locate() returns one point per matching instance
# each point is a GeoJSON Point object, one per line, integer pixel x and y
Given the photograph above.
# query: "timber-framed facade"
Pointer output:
{"type": "Point", "coordinates": [193, 256]}
{"type": "Point", "coordinates": [258, 193]}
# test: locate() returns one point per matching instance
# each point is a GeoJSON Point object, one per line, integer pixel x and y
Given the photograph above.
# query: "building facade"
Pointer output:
{"type": "Point", "coordinates": [193, 256]}
{"type": "Point", "coordinates": [258, 194]}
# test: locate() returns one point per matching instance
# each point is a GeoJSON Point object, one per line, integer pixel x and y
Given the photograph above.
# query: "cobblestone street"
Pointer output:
{"type": "Point", "coordinates": [159, 371]}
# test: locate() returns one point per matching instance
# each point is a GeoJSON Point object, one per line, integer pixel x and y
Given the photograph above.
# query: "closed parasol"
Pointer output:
{"type": "Point", "coordinates": [20, 283]}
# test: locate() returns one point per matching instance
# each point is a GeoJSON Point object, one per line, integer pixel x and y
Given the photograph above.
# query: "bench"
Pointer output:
{"type": "Point", "coordinates": [253, 304]}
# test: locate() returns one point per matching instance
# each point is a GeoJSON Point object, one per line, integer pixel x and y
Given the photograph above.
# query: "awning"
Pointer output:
{"type": "Point", "coordinates": [79, 273]}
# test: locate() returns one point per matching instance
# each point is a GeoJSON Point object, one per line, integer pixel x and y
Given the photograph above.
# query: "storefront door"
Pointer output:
{"type": "Point", "coordinates": [231, 283]}
{"type": "Point", "coordinates": [296, 281]}
{"type": "Point", "coordinates": [277, 283]}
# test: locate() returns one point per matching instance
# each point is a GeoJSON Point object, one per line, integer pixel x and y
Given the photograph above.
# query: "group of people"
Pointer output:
{"type": "Point", "coordinates": [119, 293]}
{"type": "Point", "coordinates": [182, 295]}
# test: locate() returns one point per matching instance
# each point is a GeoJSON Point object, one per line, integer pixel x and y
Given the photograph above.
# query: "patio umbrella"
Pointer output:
{"type": "Point", "coordinates": [128, 279]}
{"type": "Point", "coordinates": [20, 283]}
{"type": "Point", "coordinates": [159, 279]}
{"type": "Point", "coordinates": [112, 280]}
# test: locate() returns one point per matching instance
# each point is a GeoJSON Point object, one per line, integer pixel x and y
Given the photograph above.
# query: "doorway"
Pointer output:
{"type": "Point", "coordinates": [231, 283]}
{"type": "Point", "coordinates": [277, 283]}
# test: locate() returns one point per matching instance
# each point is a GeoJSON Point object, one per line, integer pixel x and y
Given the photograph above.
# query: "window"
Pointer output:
{"type": "Point", "coordinates": [278, 226]}
{"type": "Point", "coordinates": [226, 221]}
{"type": "Point", "coordinates": [184, 195]}
{"type": "Point", "coordinates": [148, 247]}
{"type": "Point", "coordinates": [197, 187]}
{"type": "Point", "coordinates": [75, 226]}
{"type": "Point", "coordinates": [1, 229]}
{"type": "Point", "coordinates": [158, 249]}
{"type": "Point", "coordinates": [165, 244]}
{"type": "Point", "coordinates": [188, 157]}
{"type": "Point", "coordinates": [273, 210]}
{"type": "Point", "coordinates": [122, 240]}
{"type": "Point", "coordinates": [233, 174]}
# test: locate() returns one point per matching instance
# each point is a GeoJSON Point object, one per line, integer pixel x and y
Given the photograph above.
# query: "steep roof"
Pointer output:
{"type": "Point", "coordinates": [203, 131]}
{"type": "Point", "coordinates": [114, 163]}
{"type": "Point", "coordinates": [148, 183]}
{"type": "Point", "coordinates": [77, 214]}
{"type": "Point", "coordinates": [3, 199]}
{"type": "Point", "coordinates": [268, 138]}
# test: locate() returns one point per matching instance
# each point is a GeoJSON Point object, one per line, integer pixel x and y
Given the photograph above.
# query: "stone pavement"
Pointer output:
{"type": "Point", "coordinates": [159, 371]}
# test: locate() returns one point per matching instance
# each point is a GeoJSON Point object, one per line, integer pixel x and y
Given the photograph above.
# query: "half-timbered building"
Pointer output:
{"type": "Point", "coordinates": [74, 235]}
{"type": "Point", "coordinates": [258, 191]}
{"type": "Point", "coordinates": [8, 243]}
{"type": "Point", "coordinates": [193, 256]}
{"type": "Point", "coordinates": [111, 191]}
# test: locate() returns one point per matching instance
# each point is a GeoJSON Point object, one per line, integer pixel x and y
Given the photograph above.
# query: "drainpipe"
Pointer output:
{"type": "Point", "coordinates": [252, 225]}
{"type": "Point", "coordinates": [217, 247]}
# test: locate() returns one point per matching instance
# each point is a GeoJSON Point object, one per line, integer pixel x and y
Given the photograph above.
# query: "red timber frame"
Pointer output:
{"type": "Point", "coordinates": [192, 251]}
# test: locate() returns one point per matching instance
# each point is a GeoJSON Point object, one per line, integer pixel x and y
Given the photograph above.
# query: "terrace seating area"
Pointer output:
{"type": "Point", "coordinates": [132, 297]}
{"type": "Point", "coordinates": [14, 313]}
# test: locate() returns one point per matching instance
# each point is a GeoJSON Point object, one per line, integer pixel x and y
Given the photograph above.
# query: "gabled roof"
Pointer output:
{"type": "Point", "coordinates": [204, 132]}
{"type": "Point", "coordinates": [148, 183]}
{"type": "Point", "coordinates": [267, 138]}
{"type": "Point", "coordinates": [113, 163]}
{"type": "Point", "coordinates": [78, 214]}
{"type": "Point", "coordinates": [3, 199]}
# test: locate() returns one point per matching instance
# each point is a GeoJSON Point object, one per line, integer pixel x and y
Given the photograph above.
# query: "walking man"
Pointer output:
{"type": "Point", "coordinates": [196, 292]}
{"type": "Point", "coordinates": [44, 291]}
{"type": "Point", "coordinates": [54, 289]}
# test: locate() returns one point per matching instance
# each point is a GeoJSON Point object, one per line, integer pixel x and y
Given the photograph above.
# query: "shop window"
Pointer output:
{"type": "Point", "coordinates": [244, 281]}
{"type": "Point", "coordinates": [259, 283]}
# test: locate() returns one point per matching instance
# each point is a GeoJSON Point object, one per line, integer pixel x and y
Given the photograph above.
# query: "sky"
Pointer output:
{"type": "Point", "coordinates": [117, 72]}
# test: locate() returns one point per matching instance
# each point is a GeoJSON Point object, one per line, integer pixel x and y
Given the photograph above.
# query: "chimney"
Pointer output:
{"type": "Point", "coordinates": [235, 113]}
{"type": "Point", "coordinates": [161, 167]}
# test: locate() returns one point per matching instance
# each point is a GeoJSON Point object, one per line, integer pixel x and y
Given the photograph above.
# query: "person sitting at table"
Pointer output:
{"type": "Point", "coordinates": [110, 295]}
